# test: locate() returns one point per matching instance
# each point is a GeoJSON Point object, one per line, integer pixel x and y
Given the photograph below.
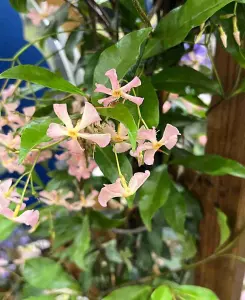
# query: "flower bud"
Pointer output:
{"type": "Point", "coordinates": [236, 32]}
{"type": "Point", "coordinates": [223, 36]}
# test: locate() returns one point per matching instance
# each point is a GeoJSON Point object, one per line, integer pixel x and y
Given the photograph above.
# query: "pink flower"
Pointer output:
{"type": "Point", "coordinates": [166, 106]}
{"type": "Point", "coordinates": [29, 217]}
{"type": "Point", "coordinates": [202, 139]}
{"type": "Point", "coordinates": [55, 197]}
{"type": "Point", "coordinates": [85, 201]}
{"type": "Point", "coordinates": [117, 91]}
{"type": "Point", "coordinates": [169, 140]}
{"type": "Point", "coordinates": [7, 93]}
{"type": "Point", "coordinates": [9, 141]}
{"type": "Point", "coordinates": [10, 162]}
{"type": "Point", "coordinates": [45, 11]}
{"type": "Point", "coordinates": [121, 189]}
{"type": "Point", "coordinates": [89, 117]}
{"type": "Point", "coordinates": [29, 112]}
{"type": "Point", "coordinates": [119, 137]}
{"type": "Point", "coordinates": [7, 195]}
{"type": "Point", "coordinates": [11, 117]}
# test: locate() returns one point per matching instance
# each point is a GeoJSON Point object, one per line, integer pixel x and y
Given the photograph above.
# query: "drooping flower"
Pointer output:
{"type": "Point", "coordinates": [169, 140]}
{"type": "Point", "coordinates": [121, 189]}
{"type": "Point", "coordinates": [90, 116]}
{"type": "Point", "coordinates": [119, 137]}
{"type": "Point", "coordinates": [45, 11]}
{"type": "Point", "coordinates": [117, 91]}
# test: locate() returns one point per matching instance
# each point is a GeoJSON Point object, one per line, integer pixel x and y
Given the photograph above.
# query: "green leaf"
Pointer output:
{"type": "Point", "coordinates": [45, 273]}
{"type": "Point", "coordinates": [99, 220]}
{"type": "Point", "coordinates": [162, 293]}
{"type": "Point", "coordinates": [41, 76]}
{"type": "Point", "coordinates": [241, 88]}
{"type": "Point", "coordinates": [154, 193]}
{"type": "Point", "coordinates": [7, 228]}
{"type": "Point", "coordinates": [191, 292]}
{"type": "Point", "coordinates": [185, 81]}
{"type": "Point", "coordinates": [174, 27]}
{"type": "Point", "coordinates": [105, 158]}
{"type": "Point", "coordinates": [195, 100]}
{"type": "Point", "coordinates": [174, 210]}
{"type": "Point", "coordinates": [73, 40]}
{"type": "Point", "coordinates": [121, 56]}
{"type": "Point", "coordinates": [223, 227]}
{"type": "Point", "coordinates": [81, 245]}
{"type": "Point", "coordinates": [91, 63]}
{"type": "Point", "coordinates": [211, 164]}
{"type": "Point", "coordinates": [33, 134]}
{"type": "Point", "coordinates": [150, 107]}
{"type": "Point", "coordinates": [137, 292]}
{"type": "Point", "coordinates": [121, 113]}
{"type": "Point", "coordinates": [44, 297]}
{"type": "Point", "coordinates": [19, 5]}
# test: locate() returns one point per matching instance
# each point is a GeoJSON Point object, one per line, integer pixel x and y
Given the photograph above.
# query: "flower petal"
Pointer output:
{"type": "Point", "coordinates": [132, 84]}
{"type": "Point", "coordinates": [149, 156]}
{"type": "Point", "coordinates": [100, 88]}
{"type": "Point", "coordinates": [5, 185]}
{"type": "Point", "coordinates": [62, 114]}
{"type": "Point", "coordinates": [122, 147]}
{"type": "Point", "coordinates": [122, 130]}
{"type": "Point", "coordinates": [90, 116]}
{"type": "Point", "coordinates": [107, 101]}
{"type": "Point", "coordinates": [169, 138]}
{"type": "Point", "coordinates": [29, 217]}
{"type": "Point", "coordinates": [112, 75]}
{"type": "Point", "coordinates": [75, 148]}
{"type": "Point", "coordinates": [138, 180]}
{"type": "Point", "coordinates": [100, 139]}
{"type": "Point", "coordinates": [29, 111]}
{"type": "Point", "coordinates": [147, 134]}
{"type": "Point", "coordinates": [136, 100]}
{"type": "Point", "coordinates": [110, 191]}
{"type": "Point", "coordinates": [56, 131]}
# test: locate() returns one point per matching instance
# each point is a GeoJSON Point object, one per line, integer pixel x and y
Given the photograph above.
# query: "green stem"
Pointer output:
{"type": "Point", "coordinates": [141, 12]}
{"type": "Point", "coordinates": [50, 145]}
{"type": "Point", "coordinates": [17, 209]}
{"type": "Point", "coordinates": [117, 162]}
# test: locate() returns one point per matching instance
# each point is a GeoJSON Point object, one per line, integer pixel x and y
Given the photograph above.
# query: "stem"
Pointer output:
{"type": "Point", "coordinates": [118, 165]}
{"type": "Point", "coordinates": [17, 209]}
{"type": "Point", "coordinates": [50, 145]}
{"type": "Point", "coordinates": [141, 12]}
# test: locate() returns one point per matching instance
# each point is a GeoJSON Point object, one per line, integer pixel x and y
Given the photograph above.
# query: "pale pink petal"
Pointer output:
{"type": "Point", "coordinates": [132, 84]}
{"type": "Point", "coordinates": [5, 186]}
{"type": "Point", "coordinates": [11, 107]}
{"type": "Point", "coordinates": [4, 202]}
{"type": "Point", "coordinates": [110, 191]}
{"type": "Point", "coordinates": [8, 92]}
{"type": "Point", "coordinates": [74, 147]}
{"type": "Point", "coordinates": [138, 180]}
{"type": "Point", "coordinates": [107, 101]}
{"type": "Point", "coordinates": [100, 88]}
{"type": "Point", "coordinates": [90, 116]}
{"type": "Point", "coordinates": [203, 140]}
{"type": "Point", "coordinates": [169, 138]}
{"type": "Point", "coordinates": [147, 134]}
{"type": "Point", "coordinates": [122, 147]}
{"type": "Point", "coordinates": [44, 6]}
{"type": "Point", "coordinates": [52, 9]}
{"type": "Point", "coordinates": [166, 107]}
{"type": "Point", "coordinates": [29, 111]}
{"type": "Point", "coordinates": [110, 128]}
{"type": "Point", "coordinates": [62, 114]}
{"type": "Point", "coordinates": [56, 131]}
{"type": "Point", "coordinates": [29, 217]}
{"type": "Point", "coordinates": [7, 212]}
{"type": "Point", "coordinates": [100, 139]}
{"type": "Point", "coordinates": [112, 75]}
{"type": "Point", "coordinates": [35, 17]}
{"type": "Point", "coordinates": [136, 100]}
{"type": "Point", "coordinates": [122, 130]}
{"type": "Point", "coordinates": [149, 156]}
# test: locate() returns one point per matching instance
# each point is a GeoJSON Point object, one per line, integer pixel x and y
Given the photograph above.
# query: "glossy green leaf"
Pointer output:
{"type": "Point", "coordinates": [174, 27]}
{"type": "Point", "coordinates": [136, 292]}
{"type": "Point", "coordinates": [163, 292]}
{"type": "Point", "coordinates": [99, 220]}
{"type": "Point", "coordinates": [223, 227]}
{"type": "Point", "coordinates": [19, 5]}
{"type": "Point", "coordinates": [41, 76]}
{"type": "Point", "coordinates": [150, 107]}
{"type": "Point", "coordinates": [81, 245]}
{"type": "Point", "coordinates": [33, 134]}
{"type": "Point", "coordinates": [7, 227]}
{"type": "Point", "coordinates": [185, 81]}
{"type": "Point", "coordinates": [211, 164]}
{"type": "Point", "coordinates": [154, 193]}
{"type": "Point", "coordinates": [191, 292]}
{"type": "Point", "coordinates": [174, 210]}
{"type": "Point", "coordinates": [121, 56]}
{"type": "Point", "coordinates": [121, 113]}
{"type": "Point", "coordinates": [45, 273]}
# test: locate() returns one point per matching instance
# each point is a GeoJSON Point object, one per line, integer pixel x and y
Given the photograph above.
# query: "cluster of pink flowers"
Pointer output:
{"type": "Point", "coordinates": [77, 140]}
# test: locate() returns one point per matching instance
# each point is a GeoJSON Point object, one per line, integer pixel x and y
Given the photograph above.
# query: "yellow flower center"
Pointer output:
{"type": "Point", "coordinates": [117, 93]}
{"type": "Point", "coordinates": [83, 200]}
{"type": "Point", "coordinates": [157, 145]}
{"type": "Point", "coordinates": [73, 133]}
{"type": "Point", "coordinates": [127, 192]}
{"type": "Point", "coordinates": [117, 139]}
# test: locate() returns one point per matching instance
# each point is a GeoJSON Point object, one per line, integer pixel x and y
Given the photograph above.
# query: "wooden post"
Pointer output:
{"type": "Point", "coordinates": [226, 137]}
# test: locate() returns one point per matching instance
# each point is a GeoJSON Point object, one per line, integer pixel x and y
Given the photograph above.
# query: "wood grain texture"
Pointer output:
{"type": "Point", "coordinates": [226, 137]}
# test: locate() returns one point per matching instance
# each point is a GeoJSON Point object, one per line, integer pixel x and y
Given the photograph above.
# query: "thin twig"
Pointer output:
{"type": "Point", "coordinates": [129, 231]}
